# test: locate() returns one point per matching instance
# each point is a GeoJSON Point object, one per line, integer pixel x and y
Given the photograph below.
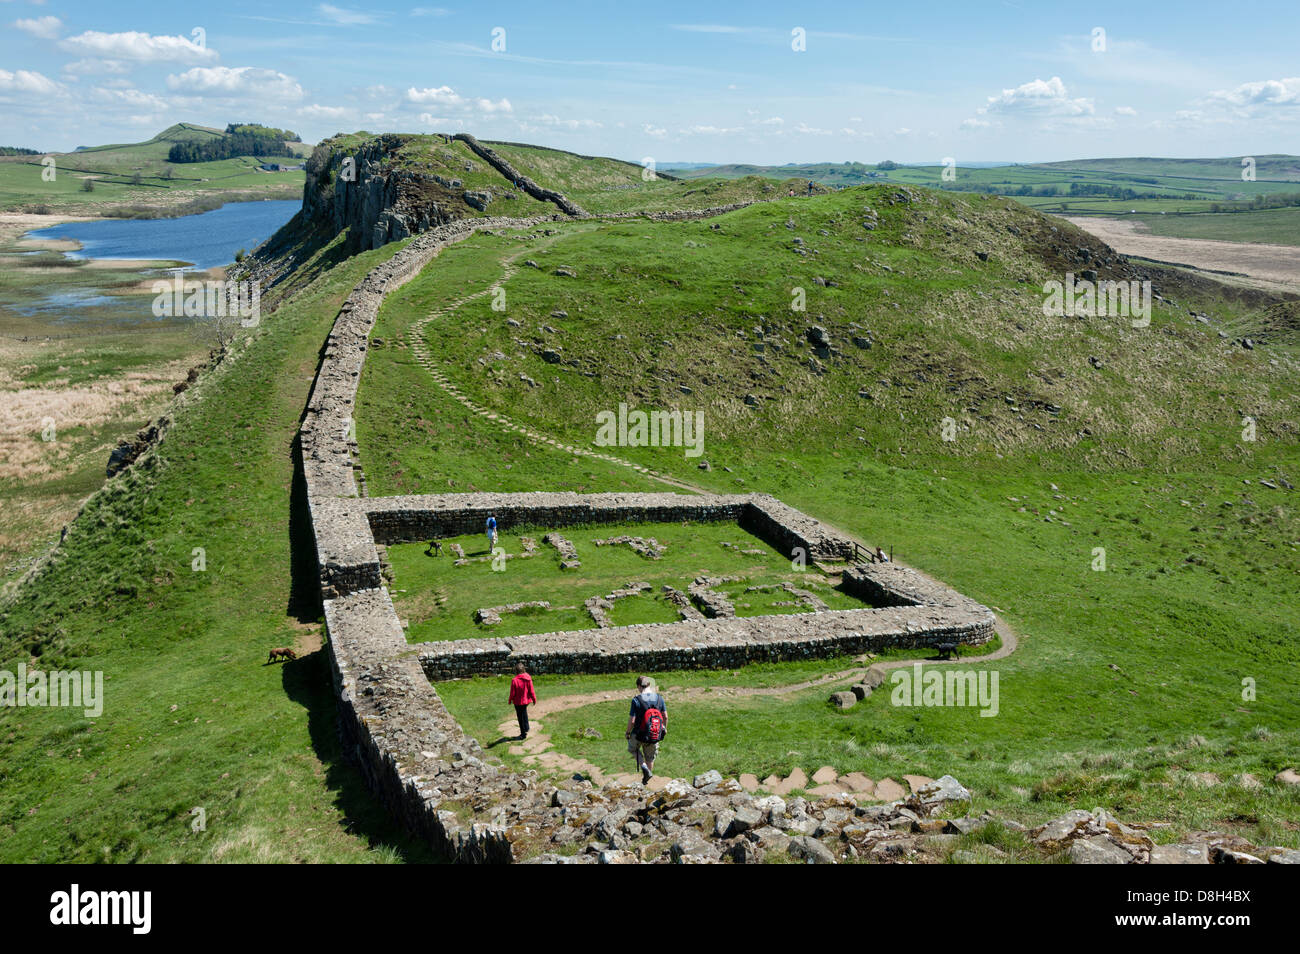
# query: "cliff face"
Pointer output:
{"type": "Point", "coordinates": [379, 202]}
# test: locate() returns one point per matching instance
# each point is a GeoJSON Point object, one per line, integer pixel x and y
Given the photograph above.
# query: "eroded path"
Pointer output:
{"type": "Point", "coordinates": [420, 348]}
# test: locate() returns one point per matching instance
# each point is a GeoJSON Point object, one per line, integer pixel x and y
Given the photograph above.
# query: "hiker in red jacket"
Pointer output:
{"type": "Point", "coordinates": [522, 695]}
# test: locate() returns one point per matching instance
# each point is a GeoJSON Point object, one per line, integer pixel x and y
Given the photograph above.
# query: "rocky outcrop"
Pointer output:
{"type": "Point", "coordinates": [374, 199]}
{"type": "Point", "coordinates": [127, 452]}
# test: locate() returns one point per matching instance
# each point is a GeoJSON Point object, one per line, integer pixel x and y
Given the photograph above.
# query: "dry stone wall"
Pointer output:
{"type": "Point", "coordinates": [494, 159]}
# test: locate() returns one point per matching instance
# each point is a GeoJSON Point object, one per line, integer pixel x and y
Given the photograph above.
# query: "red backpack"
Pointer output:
{"type": "Point", "coordinates": [651, 728]}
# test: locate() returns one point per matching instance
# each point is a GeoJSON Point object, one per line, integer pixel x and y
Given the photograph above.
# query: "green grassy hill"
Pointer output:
{"type": "Point", "coordinates": [137, 179]}
{"type": "Point", "coordinates": [1070, 435]}
{"type": "Point", "coordinates": [1128, 680]}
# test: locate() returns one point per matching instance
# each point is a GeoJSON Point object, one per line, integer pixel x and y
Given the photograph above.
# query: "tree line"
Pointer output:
{"type": "Point", "coordinates": [239, 139]}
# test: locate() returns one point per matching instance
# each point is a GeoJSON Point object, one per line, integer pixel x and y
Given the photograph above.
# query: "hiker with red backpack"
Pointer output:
{"type": "Point", "coordinates": [647, 724]}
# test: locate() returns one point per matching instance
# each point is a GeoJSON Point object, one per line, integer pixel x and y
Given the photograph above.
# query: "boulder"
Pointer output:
{"type": "Point", "coordinates": [691, 845]}
{"type": "Point", "coordinates": [1179, 855]}
{"type": "Point", "coordinates": [745, 852]}
{"type": "Point", "coordinates": [744, 819]}
{"type": "Point", "coordinates": [874, 678]}
{"type": "Point", "coordinates": [1097, 850]}
{"type": "Point", "coordinates": [938, 795]}
{"type": "Point", "coordinates": [810, 851]}
{"type": "Point", "coordinates": [843, 700]}
{"type": "Point", "coordinates": [707, 778]}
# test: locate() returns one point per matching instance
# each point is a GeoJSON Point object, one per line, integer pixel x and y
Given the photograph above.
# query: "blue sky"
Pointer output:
{"type": "Point", "coordinates": [1014, 80]}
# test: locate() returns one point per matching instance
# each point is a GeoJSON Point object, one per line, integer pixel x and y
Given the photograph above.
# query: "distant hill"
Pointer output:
{"type": "Point", "coordinates": [1079, 186]}
{"type": "Point", "coordinates": [138, 179]}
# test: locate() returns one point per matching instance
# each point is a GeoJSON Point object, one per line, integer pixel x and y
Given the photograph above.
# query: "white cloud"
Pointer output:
{"type": "Point", "coordinates": [140, 47]}
{"type": "Point", "coordinates": [1039, 97]}
{"type": "Point", "coordinates": [27, 81]}
{"type": "Point", "coordinates": [1262, 93]}
{"type": "Point", "coordinates": [706, 130]}
{"type": "Point", "coordinates": [772, 121]}
{"type": "Point", "coordinates": [107, 67]}
{"type": "Point", "coordinates": [131, 97]}
{"type": "Point", "coordinates": [447, 97]}
{"type": "Point", "coordinates": [316, 111]}
{"type": "Point", "coordinates": [429, 11]}
{"type": "Point", "coordinates": [549, 120]}
{"type": "Point", "coordinates": [44, 28]}
{"type": "Point", "coordinates": [343, 16]}
{"type": "Point", "coordinates": [975, 124]}
{"type": "Point", "coordinates": [1125, 111]}
{"type": "Point", "coordinates": [259, 84]}
{"type": "Point", "coordinates": [654, 132]}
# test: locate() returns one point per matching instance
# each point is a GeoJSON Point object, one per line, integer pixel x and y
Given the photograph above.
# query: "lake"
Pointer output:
{"type": "Point", "coordinates": [205, 240]}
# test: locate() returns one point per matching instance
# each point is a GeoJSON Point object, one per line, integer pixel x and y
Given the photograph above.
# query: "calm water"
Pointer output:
{"type": "Point", "coordinates": [205, 240]}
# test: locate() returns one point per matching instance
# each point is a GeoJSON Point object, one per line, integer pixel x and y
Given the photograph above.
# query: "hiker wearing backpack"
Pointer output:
{"type": "Point", "coordinates": [647, 724]}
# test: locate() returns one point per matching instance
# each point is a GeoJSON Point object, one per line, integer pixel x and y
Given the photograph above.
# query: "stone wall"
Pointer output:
{"type": "Point", "coordinates": [503, 166]}
{"type": "Point", "coordinates": [708, 643]}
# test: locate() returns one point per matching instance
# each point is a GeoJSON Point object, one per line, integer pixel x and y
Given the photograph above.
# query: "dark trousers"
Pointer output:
{"type": "Point", "coordinates": [521, 712]}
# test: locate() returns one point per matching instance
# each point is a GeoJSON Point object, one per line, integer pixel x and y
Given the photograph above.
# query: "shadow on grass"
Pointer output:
{"type": "Point", "coordinates": [304, 573]}
{"type": "Point", "coordinates": [308, 682]}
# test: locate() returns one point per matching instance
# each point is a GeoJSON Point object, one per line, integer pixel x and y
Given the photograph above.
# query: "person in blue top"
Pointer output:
{"type": "Point", "coordinates": [492, 533]}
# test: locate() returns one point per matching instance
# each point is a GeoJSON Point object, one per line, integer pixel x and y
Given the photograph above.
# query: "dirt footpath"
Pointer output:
{"type": "Point", "coordinates": [1270, 263]}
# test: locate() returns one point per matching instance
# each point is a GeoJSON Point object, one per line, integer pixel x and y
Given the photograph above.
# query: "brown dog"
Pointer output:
{"type": "Point", "coordinates": [283, 652]}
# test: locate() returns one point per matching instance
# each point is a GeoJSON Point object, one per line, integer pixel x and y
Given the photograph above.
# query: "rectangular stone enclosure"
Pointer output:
{"type": "Point", "coordinates": [905, 607]}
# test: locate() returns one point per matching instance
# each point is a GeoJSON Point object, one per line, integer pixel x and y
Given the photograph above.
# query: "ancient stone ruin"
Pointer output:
{"type": "Point", "coordinates": [416, 757]}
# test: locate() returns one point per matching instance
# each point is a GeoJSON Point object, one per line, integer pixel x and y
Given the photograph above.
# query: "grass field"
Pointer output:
{"type": "Point", "coordinates": [1127, 679]}
{"type": "Point", "coordinates": [439, 598]}
{"type": "Point", "coordinates": [1269, 226]}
